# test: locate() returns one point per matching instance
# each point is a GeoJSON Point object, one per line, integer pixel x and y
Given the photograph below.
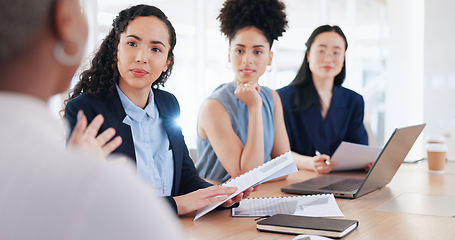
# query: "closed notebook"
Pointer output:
{"type": "Point", "coordinates": [293, 224]}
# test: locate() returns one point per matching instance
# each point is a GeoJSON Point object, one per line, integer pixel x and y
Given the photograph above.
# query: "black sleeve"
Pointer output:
{"type": "Point", "coordinates": [71, 115]}
{"type": "Point", "coordinates": [172, 203]}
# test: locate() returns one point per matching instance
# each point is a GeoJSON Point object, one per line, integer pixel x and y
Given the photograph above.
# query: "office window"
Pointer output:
{"type": "Point", "coordinates": [201, 50]}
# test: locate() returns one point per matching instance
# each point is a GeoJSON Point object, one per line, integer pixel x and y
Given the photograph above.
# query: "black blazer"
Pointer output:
{"type": "Point", "coordinates": [186, 178]}
{"type": "Point", "coordinates": [308, 131]}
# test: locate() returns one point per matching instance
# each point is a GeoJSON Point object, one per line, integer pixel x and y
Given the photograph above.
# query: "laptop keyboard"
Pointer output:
{"type": "Point", "coordinates": [345, 185]}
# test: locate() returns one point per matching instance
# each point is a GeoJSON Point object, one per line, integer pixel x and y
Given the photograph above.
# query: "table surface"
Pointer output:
{"type": "Point", "coordinates": [373, 224]}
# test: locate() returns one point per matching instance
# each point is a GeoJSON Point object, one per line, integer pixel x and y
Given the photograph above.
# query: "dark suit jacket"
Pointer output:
{"type": "Point", "coordinates": [307, 130]}
{"type": "Point", "coordinates": [186, 178]}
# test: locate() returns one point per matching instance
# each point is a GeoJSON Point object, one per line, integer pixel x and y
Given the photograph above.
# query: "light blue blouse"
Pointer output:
{"type": "Point", "coordinates": [208, 165]}
{"type": "Point", "coordinates": [154, 159]}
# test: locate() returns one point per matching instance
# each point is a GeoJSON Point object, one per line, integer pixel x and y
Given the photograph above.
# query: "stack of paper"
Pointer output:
{"type": "Point", "coordinates": [321, 205]}
{"type": "Point", "coordinates": [277, 167]}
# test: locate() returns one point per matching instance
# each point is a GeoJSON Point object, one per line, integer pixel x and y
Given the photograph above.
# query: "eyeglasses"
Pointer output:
{"type": "Point", "coordinates": [322, 53]}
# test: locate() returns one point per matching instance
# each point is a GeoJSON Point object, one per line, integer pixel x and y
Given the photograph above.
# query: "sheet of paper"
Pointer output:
{"type": "Point", "coordinates": [323, 205]}
{"type": "Point", "coordinates": [291, 168]}
{"type": "Point", "coordinates": [269, 170]}
{"type": "Point", "coordinates": [352, 156]}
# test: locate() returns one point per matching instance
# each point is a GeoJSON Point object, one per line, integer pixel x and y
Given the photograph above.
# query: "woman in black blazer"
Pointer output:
{"type": "Point", "coordinates": [132, 62]}
{"type": "Point", "coordinates": [320, 113]}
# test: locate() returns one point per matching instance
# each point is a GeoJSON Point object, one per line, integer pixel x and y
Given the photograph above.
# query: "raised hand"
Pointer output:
{"type": "Point", "coordinates": [87, 139]}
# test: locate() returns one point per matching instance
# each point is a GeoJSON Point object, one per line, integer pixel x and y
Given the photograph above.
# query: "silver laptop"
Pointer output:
{"type": "Point", "coordinates": [380, 174]}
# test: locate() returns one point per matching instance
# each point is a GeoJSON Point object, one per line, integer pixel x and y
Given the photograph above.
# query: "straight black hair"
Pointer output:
{"type": "Point", "coordinates": [305, 94]}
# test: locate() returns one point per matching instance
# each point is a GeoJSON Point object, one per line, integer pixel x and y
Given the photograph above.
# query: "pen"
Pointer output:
{"type": "Point", "coordinates": [318, 154]}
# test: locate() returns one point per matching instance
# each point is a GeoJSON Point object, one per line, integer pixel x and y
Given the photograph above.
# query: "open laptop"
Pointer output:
{"type": "Point", "coordinates": [380, 174]}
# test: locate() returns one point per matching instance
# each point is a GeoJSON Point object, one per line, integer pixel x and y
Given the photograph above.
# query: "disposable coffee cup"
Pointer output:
{"type": "Point", "coordinates": [440, 139]}
{"type": "Point", "coordinates": [437, 157]}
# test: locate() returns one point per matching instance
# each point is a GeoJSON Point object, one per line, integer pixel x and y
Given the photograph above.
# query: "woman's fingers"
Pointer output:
{"type": "Point", "coordinates": [219, 190]}
{"type": "Point", "coordinates": [322, 164]}
{"type": "Point", "coordinates": [86, 136]}
{"type": "Point", "coordinates": [219, 193]}
{"type": "Point", "coordinates": [79, 129]}
{"type": "Point", "coordinates": [105, 136]}
{"type": "Point", "coordinates": [206, 196]}
{"type": "Point", "coordinates": [248, 93]}
{"type": "Point", "coordinates": [112, 145]}
{"type": "Point", "coordinates": [247, 192]}
{"type": "Point", "coordinates": [94, 126]}
{"type": "Point", "coordinates": [202, 197]}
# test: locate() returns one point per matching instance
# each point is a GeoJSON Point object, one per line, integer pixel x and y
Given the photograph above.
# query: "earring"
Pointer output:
{"type": "Point", "coordinates": [268, 68]}
{"type": "Point", "coordinates": [229, 65]}
{"type": "Point", "coordinates": [69, 60]}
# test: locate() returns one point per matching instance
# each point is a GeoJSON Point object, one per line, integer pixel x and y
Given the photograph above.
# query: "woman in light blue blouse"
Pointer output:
{"type": "Point", "coordinates": [241, 126]}
{"type": "Point", "coordinates": [122, 85]}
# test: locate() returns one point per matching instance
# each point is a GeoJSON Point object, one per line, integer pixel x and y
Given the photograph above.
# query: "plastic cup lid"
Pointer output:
{"type": "Point", "coordinates": [435, 138]}
{"type": "Point", "coordinates": [436, 147]}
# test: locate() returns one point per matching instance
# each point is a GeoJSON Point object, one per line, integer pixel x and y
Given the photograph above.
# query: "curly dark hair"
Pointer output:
{"type": "Point", "coordinates": [266, 15]}
{"type": "Point", "coordinates": [103, 74]}
{"type": "Point", "coordinates": [305, 94]}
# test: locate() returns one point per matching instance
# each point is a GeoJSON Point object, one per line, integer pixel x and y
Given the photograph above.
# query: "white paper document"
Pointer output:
{"type": "Point", "coordinates": [352, 156]}
{"type": "Point", "coordinates": [277, 167]}
{"type": "Point", "coordinates": [321, 205]}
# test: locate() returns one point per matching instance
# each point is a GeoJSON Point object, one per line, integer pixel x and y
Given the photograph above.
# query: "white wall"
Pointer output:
{"type": "Point", "coordinates": [421, 68]}
{"type": "Point", "coordinates": [439, 71]}
{"type": "Point", "coordinates": [404, 86]}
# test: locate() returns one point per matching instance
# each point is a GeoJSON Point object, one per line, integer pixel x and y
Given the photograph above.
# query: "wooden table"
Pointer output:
{"type": "Point", "coordinates": [373, 224]}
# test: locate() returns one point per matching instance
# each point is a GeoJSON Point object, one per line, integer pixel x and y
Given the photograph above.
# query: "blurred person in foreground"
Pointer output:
{"type": "Point", "coordinates": [47, 191]}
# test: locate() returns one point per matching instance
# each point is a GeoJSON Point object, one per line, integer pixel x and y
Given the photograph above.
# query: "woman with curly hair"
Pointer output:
{"type": "Point", "coordinates": [122, 86]}
{"type": "Point", "coordinates": [241, 125]}
{"type": "Point", "coordinates": [319, 112]}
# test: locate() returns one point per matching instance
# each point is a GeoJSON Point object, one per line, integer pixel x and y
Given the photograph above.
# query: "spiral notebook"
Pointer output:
{"type": "Point", "coordinates": [277, 167]}
{"type": "Point", "coordinates": [320, 205]}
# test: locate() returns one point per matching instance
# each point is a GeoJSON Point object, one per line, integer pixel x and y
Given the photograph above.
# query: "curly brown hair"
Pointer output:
{"type": "Point", "coordinates": [103, 74]}
{"type": "Point", "coordinates": [266, 15]}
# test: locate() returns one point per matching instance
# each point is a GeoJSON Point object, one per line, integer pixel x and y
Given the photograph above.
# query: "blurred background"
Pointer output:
{"type": "Point", "coordinates": [400, 57]}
